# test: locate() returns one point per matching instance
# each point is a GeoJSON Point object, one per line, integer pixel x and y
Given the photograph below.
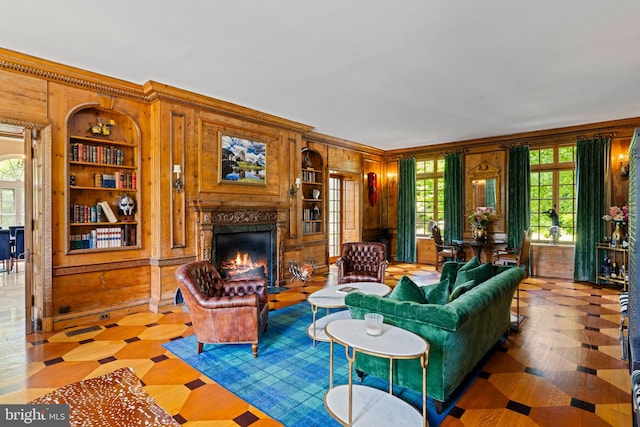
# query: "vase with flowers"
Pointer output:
{"type": "Point", "coordinates": [619, 216]}
{"type": "Point", "coordinates": [480, 220]}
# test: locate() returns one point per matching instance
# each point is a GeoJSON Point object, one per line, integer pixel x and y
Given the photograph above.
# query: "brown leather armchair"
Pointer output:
{"type": "Point", "coordinates": [223, 311]}
{"type": "Point", "coordinates": [362, 262]}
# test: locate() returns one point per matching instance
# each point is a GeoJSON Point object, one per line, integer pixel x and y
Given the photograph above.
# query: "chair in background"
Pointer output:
{"type": "Point", "coordinates": [18, 250]}
{"type": "Point", "coordinates": [445, 252]}
{"type": "Point", "coordinates": [13, 228]}
{"type": "Point", "coordinates": [5, 247]}
{"type": "Point", "coordinates": [362, 262]}
{"type": "Point", "coordinates": [223, 311]}
{"type": "Point", "coordinates": [520, 258]}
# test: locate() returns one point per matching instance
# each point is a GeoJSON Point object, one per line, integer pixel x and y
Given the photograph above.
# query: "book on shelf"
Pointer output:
{"type": "Point", "coordinates": [106, 209]}
{"type": "Point", "coordinates": [346, 289]}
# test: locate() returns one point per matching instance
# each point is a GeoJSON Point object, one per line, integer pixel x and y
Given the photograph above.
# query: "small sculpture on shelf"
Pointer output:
{"type": "Point", "coordinates": [304, 272]}
{"type": "Point", "coordinates": [127, 206]}
{"type": "Point", "coordinates": [306, 162]}
{"type": "Point", "coordinates": [102, 129]}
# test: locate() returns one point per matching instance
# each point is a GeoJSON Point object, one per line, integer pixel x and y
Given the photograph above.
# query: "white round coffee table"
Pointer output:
{"type": "Point", "coordinates": [333, 297]}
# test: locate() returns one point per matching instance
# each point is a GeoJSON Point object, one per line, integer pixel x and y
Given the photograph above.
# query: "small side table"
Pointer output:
{"type": "Point", "coordinates": [361, 405]}
{"type": "Point", "coordinates": [331, 297]}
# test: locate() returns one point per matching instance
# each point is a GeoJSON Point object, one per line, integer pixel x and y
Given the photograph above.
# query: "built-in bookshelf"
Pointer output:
{"type": "Point", "coordinates": [102, 181]}
{"type": "Point", "coordinates": [312, 191]}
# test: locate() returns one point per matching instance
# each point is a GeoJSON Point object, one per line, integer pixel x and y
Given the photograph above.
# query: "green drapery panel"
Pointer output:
{"type": "Point", "coordinates": [406, 248]}
{"type": "Point", "coordinates": [453, 197]}
{"type": "Point", "coordinates": [519, 191]}
{"type": "Point", "coordinates": [592, 169]}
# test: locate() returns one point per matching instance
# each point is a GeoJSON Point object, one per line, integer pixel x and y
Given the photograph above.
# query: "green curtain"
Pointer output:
{"type": "Point", "coordinates": [453, 197]}
{"type": "Point", "coordinates": [406, 248]}
{"type": "Point", "coordinates": [592, 169]}
{"type": "Point", "coordinates": [519, 191]}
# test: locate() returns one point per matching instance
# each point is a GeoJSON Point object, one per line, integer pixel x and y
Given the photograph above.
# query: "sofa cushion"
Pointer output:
{"type": "Point", "coordinates": [479, 274]}
{"type": "Point", "coordinates": [471, 264]}
{"type": "Point", "coordinates": [461, 289]}
{"type": "Point", "coordinates": [407, 290]}
{"type": "Point", "coordinates": [438, 293]}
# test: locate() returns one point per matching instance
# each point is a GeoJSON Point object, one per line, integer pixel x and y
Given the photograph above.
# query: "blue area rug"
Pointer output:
{"type": "Point", "coordinates": [289, 377]}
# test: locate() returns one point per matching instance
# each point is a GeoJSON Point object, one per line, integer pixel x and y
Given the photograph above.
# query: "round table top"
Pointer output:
{"type": "Point", "coordinates": [332, 297]}
{"type": "Point", "coordinates": [394, 342]}
{"type": "Point", "coordinates": [479, 242]}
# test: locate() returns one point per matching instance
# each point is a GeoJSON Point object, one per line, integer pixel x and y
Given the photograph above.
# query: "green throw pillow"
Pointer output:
{"type": "Point", "coordinates": [461, 289]}
{"type": "Point", "coordinates": [471, 264]}
{"type": "Point", "coordinates": [407, 290]}
{"type": "Point", "coordinates": [437, 293]}
{"type": "Point", "coordinates": [479, 274]}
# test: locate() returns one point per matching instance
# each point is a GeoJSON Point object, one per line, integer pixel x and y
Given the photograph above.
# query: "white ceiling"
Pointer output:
{"type": "Point", "coordinates": [389, 74]}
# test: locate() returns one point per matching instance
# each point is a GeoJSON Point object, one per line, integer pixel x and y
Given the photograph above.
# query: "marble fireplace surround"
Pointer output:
{"type": "Point", "coordinates": [215, 217]}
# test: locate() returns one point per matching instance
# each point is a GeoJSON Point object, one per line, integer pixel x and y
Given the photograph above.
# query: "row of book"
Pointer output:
{"type": "Point", "coordinates": [311, 214]}
{"type": "Point", "coordinates": [105, 237]}
{"type": "Point", "coordinates": [310, 227]}
{"type": "Point", "coordinates": [96, 154]}
{"type": "Point", "coordinates": [120, 179]}
{"type": "Point", "coordinates": [309, 176]}
{"type": "Point", "coordinates": [100, 212]}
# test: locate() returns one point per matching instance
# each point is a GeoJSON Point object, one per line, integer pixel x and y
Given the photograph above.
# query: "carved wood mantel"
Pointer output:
{"type": "Point", "coordinates": [211, 215]}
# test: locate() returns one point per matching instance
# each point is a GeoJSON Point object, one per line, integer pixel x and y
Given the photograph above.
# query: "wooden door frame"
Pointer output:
{"type": "Point", "coordinates": [36, 134]}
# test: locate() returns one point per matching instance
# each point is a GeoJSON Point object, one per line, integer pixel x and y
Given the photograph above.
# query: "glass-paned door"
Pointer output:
{"type": "Point", "coordinates": [335, 201]}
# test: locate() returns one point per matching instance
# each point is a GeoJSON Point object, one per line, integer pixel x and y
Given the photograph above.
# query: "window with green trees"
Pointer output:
{"type": "Point", "coordinates": [429, 194]}
{"type": "Point", "coordinates": [553, 188]}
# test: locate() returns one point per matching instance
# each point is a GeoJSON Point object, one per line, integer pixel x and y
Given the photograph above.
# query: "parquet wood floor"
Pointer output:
{"type": "Point", "coordinates": [564, 367]}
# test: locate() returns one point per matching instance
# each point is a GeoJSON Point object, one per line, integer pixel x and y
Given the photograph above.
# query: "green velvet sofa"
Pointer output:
{"type": "Point", "coordinates": [460, 331]}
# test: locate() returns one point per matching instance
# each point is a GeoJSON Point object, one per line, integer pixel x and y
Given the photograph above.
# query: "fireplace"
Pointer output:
{"type": "Point", "coordinates": [245, 251]}
{"type": "Point", "coordinates": [242, 242]}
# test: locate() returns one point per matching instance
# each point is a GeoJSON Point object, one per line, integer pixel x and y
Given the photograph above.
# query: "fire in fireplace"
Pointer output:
{"type": "Point", "coordinates": [242, 252]}
{"type": "Point", "coordinates": [242, 266]}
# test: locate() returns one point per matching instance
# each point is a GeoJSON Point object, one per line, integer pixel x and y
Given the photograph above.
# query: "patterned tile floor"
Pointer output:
{"type": "Point", "coordinates": [562, 368]}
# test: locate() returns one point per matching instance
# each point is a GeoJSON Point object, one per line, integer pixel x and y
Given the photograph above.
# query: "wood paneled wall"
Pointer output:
{"type": "Point", "coordinates": [181, 127]}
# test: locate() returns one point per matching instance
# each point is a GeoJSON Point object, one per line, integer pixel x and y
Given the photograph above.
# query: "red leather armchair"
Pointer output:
{"type": "Point", "coordinates": [362, 262]}
{"type": "Point", "coordinates": [223, 311]}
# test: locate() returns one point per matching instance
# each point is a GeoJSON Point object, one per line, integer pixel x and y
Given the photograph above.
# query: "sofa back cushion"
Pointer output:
{"type": "Point", "coordinates": [480, 274]}
{"type": "Point", "coordinates": [407, 290]}
{"type": "Point", "coordinates": [438, 293]}
{"type": "Point", "coordinates": [461, 289]}
{"type": "Point", "coordinates": [471, 264]}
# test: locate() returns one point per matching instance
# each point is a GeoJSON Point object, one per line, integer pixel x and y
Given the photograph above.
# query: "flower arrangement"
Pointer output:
{"type": "Point", "coordinates": [482, 217]}
{"type": "Point", "coordinates": [617, 214]}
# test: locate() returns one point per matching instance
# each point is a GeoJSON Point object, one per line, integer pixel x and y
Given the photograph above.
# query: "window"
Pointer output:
{"type": "Point", "coordinates": [429, 194]}
{"type": "Point", "coordinates": [553, 186]}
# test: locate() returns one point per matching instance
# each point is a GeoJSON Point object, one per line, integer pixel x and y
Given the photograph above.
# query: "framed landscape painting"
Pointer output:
{"type": "Point", "coordinates": [242, 160]}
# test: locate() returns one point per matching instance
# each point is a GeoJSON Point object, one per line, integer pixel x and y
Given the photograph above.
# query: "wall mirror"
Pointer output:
{"type": "Point", "coordinates": [483, 187]}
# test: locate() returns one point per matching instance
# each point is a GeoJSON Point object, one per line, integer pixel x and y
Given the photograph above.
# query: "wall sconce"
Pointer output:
{"type": "Point", "coordinates": [178, 185]}
{"type": "Point", "coordinates": [294, 188]}
{"type": "Point", "coordinates": [624, 166]}
{"type": "Point", "coordinates": [392, 179]}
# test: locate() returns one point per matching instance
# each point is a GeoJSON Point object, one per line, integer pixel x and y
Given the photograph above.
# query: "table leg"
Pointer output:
{"type": "Point", "coordinates": [477, 251]}
{"type": "Point", "coordinates": [314, 310]}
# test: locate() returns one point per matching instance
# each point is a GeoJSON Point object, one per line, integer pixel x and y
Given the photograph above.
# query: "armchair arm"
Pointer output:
{"type": "Point", "coordinates": [231, 301]}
